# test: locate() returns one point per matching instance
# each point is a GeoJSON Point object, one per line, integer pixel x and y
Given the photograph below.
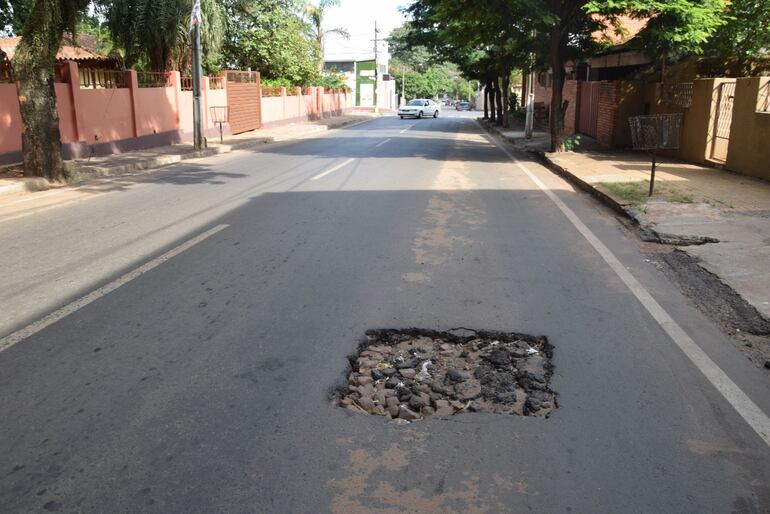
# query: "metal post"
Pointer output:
{"type": "Point", "coordinates": [376, 67]}
{"type": "Point", "coordinates": [652, 175]}
{"type": "Point", "coordinates": [403, 86]}
{"type": "Point", "coordinates": [197, 74]}
{"type": "Point", "coordinates": [529, 122]}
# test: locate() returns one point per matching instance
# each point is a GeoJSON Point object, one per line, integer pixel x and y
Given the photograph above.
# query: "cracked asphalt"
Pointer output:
{"type": "Point", "coordinates": [201, 384]}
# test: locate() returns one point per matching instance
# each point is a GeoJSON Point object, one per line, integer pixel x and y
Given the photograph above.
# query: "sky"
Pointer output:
{"type": "Point", "coordinates": [358, 16]}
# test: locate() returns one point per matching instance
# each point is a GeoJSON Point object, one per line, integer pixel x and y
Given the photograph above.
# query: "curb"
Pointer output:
{"type": "Point", "coordinates": [572, 178]}
{"type": "Point", "coordinates": [25, 185]}
{"type": "Point", "coordinates": [86, 173]}
{"type": "Point", "coordinates": [585, 186]}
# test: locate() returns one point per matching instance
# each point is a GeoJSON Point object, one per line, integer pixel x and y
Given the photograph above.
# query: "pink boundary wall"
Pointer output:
{"type": "Point", "coordinates": [296, 106]}
{"type": "Point", "coordinates": [104, 121]}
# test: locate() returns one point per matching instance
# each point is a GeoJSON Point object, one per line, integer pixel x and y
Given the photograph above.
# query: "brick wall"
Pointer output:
{"type": "Point", "coordinates": [609, 99]}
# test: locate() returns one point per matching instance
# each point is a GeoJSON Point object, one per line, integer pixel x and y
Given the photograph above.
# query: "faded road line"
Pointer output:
{"type": "Point", "coordinates": [68, 309]}
{"type": "Point", "coordinates": [381, 143]}
{"type": "Point", "coordinates": [407, 128]}
{"type": "Point", "coordinates": [341, 165]}
{"type": "Point", "coordinates": [740, 401]}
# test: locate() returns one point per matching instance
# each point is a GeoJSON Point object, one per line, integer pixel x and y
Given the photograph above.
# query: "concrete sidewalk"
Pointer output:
{"type": "Point", "coordinates": [12, 181]}
{"type": "Point", "coordinates": [691, 205]}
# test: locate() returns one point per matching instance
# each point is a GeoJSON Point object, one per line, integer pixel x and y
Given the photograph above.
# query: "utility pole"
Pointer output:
{"type": "Point", "coordinates": [376, 66]}
{"type": "Point", "coordinates": [403, 86]}
{"type": "Point", "coordinates": [529, 121]}
{"type": "Point", "coordinates": [195, 37]}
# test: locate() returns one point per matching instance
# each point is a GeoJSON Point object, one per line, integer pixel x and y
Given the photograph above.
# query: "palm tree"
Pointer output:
{"type": "Point", "coordinates": [154, 33]}
{"type": "Point", "coordinates": [315, 14]}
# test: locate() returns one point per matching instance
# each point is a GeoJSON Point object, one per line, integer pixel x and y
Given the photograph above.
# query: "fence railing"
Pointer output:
{"type": "Point", "coordinates": [216, 82]}
{"type": "Point", "coordinates": [185, 83]}
{"type": "Point", "coordinates": [271, 91]}
{"type": "Point", "coordinates": [93, 78]}
{"type": "Point", "coordinates": [153, 78]}
{"type": "Point", "coordinates": [678, 94]}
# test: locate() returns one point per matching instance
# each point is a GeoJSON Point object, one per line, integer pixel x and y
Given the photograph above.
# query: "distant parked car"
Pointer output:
{"type": "Point", "coordinates": [418, 108]}
{"type": "Point", "coordinates": [463, 106]}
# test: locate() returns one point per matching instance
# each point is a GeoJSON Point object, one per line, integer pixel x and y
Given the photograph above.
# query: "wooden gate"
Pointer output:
{"type": "Point", "coordinates": [722, 121]}
{"type": "Point", "coordinates": [244, 101]}
{"type": "Point", "coordinates": [588, 108]}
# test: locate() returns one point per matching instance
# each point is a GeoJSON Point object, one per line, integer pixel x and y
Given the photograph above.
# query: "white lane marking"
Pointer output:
{"type": "Point", "coordinates": [381, 143]}
{"type": "Point", "coordinates": [407, 128]}
{"type": "Point", "coordinates": [740, 401]}
{"type": "Point", "coordinates": [68, 309]}
{"type": "Point", "coordinates": [331, 170]}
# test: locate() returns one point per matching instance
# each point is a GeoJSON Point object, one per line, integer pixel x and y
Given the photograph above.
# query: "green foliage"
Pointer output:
{"type": "Point", "coordinates": [571, 142]}
{"type": "Point", "coordinates": [276, 83]}
{"type": "Point", "coordinates": [400, 46]}
{"type": "Point", "coordinates": [674, 27]}
{"type": "Point", "coordinates": [437, 80]}
{"type": "Point", "coordinates": [330, 80]}
{"type": "Point", "coordinates": [13, 15]}
{"type": "Point", "coordinates": [270, 36]}
{"type": "Point", "coordinates": [746, 33]}
{"type": "Point", "coordinates": [154, 34]}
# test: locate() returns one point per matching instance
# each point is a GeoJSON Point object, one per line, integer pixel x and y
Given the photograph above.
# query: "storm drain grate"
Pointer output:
{"type": "Point", "coordinates": [417, 374]}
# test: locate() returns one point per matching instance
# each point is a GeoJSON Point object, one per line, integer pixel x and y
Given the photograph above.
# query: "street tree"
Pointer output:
{"type": "Point", "coordinates": [33, 64]}
{"type": "Point", "coordinates": [315, 14]}
{"type": "Point", "coordinates": [272, 37]}
{"type": "Point", "coordinates": [154, 34]}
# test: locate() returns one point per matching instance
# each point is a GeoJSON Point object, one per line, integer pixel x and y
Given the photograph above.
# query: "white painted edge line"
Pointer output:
{"type": "Point", "coordinates": [740, 401]}
{"type": "Point", "coordinates": [381, 143]}
{"type": "Point", "coordinates": [33, 328]}
{"type": "Point", "coordinates": [407, 128]}
{"type": "Point", "coordinates": [335, 168]}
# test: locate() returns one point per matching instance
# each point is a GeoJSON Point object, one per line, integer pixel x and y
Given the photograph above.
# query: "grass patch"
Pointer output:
{"type": "Point", "coordinates": [635, 193]}
{"type": "Point", "coordinates": [677, 196]}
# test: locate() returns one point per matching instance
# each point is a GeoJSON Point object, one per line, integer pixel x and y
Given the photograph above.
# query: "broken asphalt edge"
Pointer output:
{"type": "Point", "coordinates": [645, 232]}
{"type": "Point", "coordinates": [79, 177]}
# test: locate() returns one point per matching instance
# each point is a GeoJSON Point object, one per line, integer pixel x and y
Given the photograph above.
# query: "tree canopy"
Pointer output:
{"type": "Point", "coordinates": [272, 37]}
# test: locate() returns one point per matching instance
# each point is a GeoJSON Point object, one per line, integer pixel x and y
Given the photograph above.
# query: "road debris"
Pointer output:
{"type": "Point", "coordinates": [418, 374]}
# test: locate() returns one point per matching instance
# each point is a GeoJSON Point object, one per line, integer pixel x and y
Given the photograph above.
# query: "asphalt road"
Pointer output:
{"type": "Point", "coordinates": [199, 382]}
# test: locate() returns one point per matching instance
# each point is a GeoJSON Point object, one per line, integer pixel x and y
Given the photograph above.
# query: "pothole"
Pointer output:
{"type": "Point", "coordinates": [418, 374]}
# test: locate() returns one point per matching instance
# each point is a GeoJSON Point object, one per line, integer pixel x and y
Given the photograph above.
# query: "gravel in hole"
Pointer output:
{"type": "Point", "coordinates": [418, 374]}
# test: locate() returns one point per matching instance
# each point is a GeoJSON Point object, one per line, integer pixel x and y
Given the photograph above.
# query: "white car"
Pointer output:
{"type": "Point", "coordinates": [419, 108]}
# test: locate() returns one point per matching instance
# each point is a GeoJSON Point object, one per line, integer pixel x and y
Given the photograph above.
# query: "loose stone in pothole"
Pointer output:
{"type": "Point", "coordinates": [417, 374]}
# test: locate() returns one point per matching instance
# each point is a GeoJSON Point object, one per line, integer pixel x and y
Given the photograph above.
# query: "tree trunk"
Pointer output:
{"type": "Point", "coordinates": [33, 66]}
{"type": "Point", "coordinates": [506, 105]}
{"type": "Point", "coordinates": [499, 101]}
{"type": "Point", "coordinates": [492, 110]}
{"type": "Point", "coordinates": [486, 101]}
{"type": "Point", "coordinates": [556, 117]}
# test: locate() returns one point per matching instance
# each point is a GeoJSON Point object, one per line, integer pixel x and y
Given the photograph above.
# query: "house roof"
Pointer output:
{"type": "Point", "coordinates": [629, 28]}
{"type": "Point", "coordinates": [69, 51]}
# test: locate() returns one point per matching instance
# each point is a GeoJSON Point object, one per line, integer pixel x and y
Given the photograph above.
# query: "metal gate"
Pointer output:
{"type": "Point", "coordinates": [588, 108]}
{"type": "Point", "coordinates": [722, 121]}
{"type": "Point", "coordinates": [244, 100]}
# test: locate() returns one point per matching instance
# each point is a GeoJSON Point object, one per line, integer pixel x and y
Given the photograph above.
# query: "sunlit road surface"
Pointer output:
{"type": "Point", "coordinates": [170, 339]}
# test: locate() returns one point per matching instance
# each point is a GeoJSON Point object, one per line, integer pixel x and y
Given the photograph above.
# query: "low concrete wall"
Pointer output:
{"type": "Point", "coordinates": [749, 148]}
{"type": "Point", "coordinates": [114, 120]}
{"type": "Point", "coordinates": [307, 106]}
